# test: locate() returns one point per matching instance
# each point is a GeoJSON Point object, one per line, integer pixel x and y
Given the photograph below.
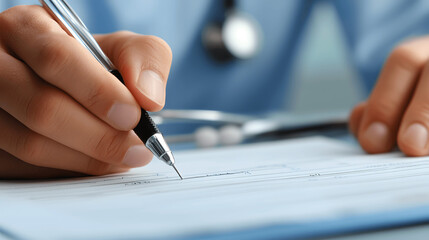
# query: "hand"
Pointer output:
{"type": "Point", "coordinates": [397, 112]}
{"type": "Point", "coordinates": [61, 113]}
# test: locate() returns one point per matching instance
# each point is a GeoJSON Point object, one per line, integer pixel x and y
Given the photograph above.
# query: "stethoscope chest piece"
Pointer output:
{"type": "Point", "coordinates": [239, 36]}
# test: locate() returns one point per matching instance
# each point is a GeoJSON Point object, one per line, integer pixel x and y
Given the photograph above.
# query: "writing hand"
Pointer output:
{"type": "Point", "coordinates": [61, 112]}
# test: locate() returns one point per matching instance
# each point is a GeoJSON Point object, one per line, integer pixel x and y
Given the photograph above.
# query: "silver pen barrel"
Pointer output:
{"type": "Point", "coordinates": [146, 128]}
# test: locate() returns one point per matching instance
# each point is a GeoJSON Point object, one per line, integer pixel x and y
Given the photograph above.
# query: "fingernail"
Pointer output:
{"type": "Point", "coordinates": [135, 156]}
{"type": "Point", "coordinates": [416, 136]}
{"type": "Point", "coordinates": [123, 116]}
{"type": "Point", "coordinates": [152, 86]}
{"type": "Point", "coordinates": [377, 135]}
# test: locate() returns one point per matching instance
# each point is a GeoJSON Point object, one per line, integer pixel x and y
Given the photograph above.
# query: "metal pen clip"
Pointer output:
{"type": "Point", "coordinates": [72, 24]}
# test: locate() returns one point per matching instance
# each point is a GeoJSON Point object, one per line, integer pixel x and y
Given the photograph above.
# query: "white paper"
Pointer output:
{"type": "Point", "coordinates": [224, 189]}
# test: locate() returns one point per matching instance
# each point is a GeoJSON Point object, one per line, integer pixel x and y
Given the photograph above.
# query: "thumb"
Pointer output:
{"type": "Point", "coordinates": [143, 61]}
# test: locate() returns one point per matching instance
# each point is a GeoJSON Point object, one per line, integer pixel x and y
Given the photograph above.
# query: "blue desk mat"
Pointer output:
{"type": "Point", "coordinates": [334, 227]}
{"type": "Point", "coordinates": [307, 230]}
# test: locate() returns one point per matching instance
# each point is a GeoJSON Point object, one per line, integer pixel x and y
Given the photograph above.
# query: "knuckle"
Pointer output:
{"type": "Point", "coordinates": [21, 17]}
{"type": "Point", "coordinates": [31, 147]}
{"type": "Point", "coordinates": [157, 53]}
{"type": "Point", "coordinates": [97, 168]}
{"type": "Point", "coordinates": [96, 96]}
{"type": "Point", "coordinates": [382, 110]}
{"type": "Point", "coordinates": [42, 111]}
{"type": "Point", "coordinates": [52, 56]}
{"type": "Point", "coordinates": [124, 34]}
{"type": "Point", "coordinates": [108, 148]}
{"type": "Point", "coordinates": [418, 111]}
{"type": "Point", "coordinates": [16, 13]}
{"type": "Point", "coordinates": [9, 19]}
{"type": "Point", "coordinates": [158, 44]}
{"type": "Point", "coordinates": [408, 56]}
{"type": "Point", "coordinates": [21, 10]}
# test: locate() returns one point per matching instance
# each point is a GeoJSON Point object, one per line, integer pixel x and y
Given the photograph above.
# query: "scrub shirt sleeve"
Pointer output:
{"type": "Point", "coordinates": [373, 28]}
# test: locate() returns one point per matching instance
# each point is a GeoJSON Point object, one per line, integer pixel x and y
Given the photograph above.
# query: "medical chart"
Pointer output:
{"type": "Point", "coordinates": [225, 189]}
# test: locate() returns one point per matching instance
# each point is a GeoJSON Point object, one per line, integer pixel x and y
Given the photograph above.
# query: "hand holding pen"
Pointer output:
{"type": "Point", "coordinates": [61, 112]}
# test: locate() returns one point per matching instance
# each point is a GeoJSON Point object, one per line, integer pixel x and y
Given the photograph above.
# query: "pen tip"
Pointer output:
{"type": "Point", "coordinates": [178, 173]}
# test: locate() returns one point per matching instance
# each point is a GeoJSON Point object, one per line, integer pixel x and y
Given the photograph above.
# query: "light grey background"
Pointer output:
{"type": "Point", "coordinates": [323, 77]}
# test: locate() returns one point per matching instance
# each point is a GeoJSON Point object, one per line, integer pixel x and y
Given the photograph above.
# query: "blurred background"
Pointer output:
{"type": "Point", "coordinates": [324, 77]}
{"type": "Point", "coordinates": [316, 56]}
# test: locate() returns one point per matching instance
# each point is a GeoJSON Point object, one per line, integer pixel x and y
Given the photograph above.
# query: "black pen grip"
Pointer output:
{"type": "Point", "coordinates": [146, 128]}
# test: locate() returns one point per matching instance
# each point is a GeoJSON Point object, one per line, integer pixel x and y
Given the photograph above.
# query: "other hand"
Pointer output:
{"type": "Point", "coordinates": [397, 111]}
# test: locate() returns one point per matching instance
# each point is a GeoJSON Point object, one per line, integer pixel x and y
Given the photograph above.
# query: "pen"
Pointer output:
{"type": "Point", "coordinates": [146, 128]}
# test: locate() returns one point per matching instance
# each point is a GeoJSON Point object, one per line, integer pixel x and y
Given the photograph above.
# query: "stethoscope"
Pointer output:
{"type": "Point", "coordinates": [238, 36]}
{"type": "Point", "coordinates": [226, 129]}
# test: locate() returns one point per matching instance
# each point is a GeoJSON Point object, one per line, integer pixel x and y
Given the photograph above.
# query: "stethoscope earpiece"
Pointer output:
{"type": "Point", "coordinates": [239, 36]}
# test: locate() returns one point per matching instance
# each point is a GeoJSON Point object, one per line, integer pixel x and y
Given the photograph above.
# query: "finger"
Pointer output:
{"type": "Point", "coordinates": [12, 168]}
{"type": "Point", "coordinates": [60, 60]}
{"type": "Point", "coordinates": [391, 95]}
{"type": "Point", "coordinates": [38, 150]}
{"type": "Point", "coordinates": [413, 133]}
{"type": "Point", "coordinates": [356, 117]}
{"type": "Point", "coordinates": [144, 62]}
{"type": "Point", "coordinates": [52, 113]}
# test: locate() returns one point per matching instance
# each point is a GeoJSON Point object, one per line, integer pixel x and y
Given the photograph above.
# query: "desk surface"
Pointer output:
{"type": "Point", "coordinates": [415, 232]}
{"type": "Point", "coordinates": [325, 149]}
{"type": "Point", "coordinates": [410, 232]}
{"type": "Point", "coordinates": [405, 232]}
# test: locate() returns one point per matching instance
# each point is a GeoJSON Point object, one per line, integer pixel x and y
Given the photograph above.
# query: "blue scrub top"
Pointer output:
{"type": "Point", "coordinates": [371, 28]}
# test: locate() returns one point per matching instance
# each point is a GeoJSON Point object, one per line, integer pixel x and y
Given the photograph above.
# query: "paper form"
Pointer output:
{"type": "Point", "coordinates": [225, 189]}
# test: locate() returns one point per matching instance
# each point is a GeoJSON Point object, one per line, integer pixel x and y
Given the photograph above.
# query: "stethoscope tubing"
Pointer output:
{"type": "Point", "coordinates": [253, 127]}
